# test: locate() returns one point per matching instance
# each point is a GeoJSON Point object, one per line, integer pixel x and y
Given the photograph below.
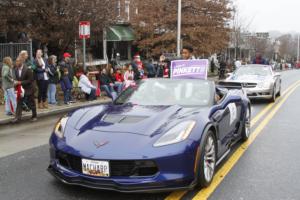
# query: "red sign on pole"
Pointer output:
{"type": "Point", "coordinates": [84, 29]}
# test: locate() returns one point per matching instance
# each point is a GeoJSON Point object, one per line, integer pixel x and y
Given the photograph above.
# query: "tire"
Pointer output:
{"type": "Point", "coordinates": [273, 98]}
{"type": "Point", "coordinates": [246, 130]}
{"type": "Point", "coordinates": [279, 92]}
{"type": "Point", "coordinates": [207, 161]}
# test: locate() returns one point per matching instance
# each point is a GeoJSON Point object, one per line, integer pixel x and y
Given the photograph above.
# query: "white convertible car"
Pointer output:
{"type": "Point", "coordinates": [259, 81]}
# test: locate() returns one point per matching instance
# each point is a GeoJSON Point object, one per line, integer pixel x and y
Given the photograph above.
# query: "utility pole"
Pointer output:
{"type": "Point", "coordinates": [298, 48]}
{"type": "Point", "coordinates": [127, 9]}
{"type": "Point", "coordinates": [179, 29]}
{"type": "Point", "coordinates": [84, 53]}
{"type": "Point", "coordinates": [105, 45]}
{"type": "Point", "coordinates": [119, 9]}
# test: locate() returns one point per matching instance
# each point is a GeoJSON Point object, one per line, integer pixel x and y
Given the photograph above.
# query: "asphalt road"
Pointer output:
{"type": "Point", "coordinates": [269, 169]}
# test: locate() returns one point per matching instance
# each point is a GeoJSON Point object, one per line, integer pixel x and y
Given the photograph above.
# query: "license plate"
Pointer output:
{"type": "Point", "coordinates": [95, 168]}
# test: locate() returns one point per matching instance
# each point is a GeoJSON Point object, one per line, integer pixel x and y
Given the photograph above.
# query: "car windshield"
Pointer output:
{"type": "Point", "coordinates": [252, 70]}
{"type": "Point", "coordinates": [161, 92]}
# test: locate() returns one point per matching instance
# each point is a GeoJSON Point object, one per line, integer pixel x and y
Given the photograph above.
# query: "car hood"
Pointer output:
{"type": "Point", "coordinates": [248, 78]}
{"type": "Point", "coordinates": [128, 118]}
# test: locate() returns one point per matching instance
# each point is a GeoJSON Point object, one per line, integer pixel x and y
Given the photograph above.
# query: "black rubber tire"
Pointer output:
{"type": "Point", "coordinates": [244, 135]}
{"type": "Point", "coordinates": [273, 99]}
{"type": "Point", "coordinates": [279, 92]}
{"type": "Point", "coordinates": [201, 181]}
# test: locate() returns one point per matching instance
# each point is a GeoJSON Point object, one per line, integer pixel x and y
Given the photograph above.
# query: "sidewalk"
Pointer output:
{"type": "Point", "coordinates": [53, 110]}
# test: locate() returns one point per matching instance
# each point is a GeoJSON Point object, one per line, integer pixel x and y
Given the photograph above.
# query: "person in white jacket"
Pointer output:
{"type": "Point", "coordinates": [87, 87]}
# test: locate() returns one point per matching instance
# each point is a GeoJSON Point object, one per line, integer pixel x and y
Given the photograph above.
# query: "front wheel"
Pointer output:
{"type": "Point", "coordinates": [207, 161]}
{"type": "Point", "coordinates": [246, 127]}
{"type": "Point", "coordinates": [279, 92]}
{"type": "Point", "coordinates": [273, 98]}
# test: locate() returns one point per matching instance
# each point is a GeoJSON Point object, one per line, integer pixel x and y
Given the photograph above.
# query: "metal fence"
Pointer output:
{"type": "Point", "coordinates": [13, 49]}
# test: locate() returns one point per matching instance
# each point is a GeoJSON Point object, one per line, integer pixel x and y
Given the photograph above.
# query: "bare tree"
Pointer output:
{"type": "Point", "coordinates": [288, 47]}
{"type": "Point", "coordinates": [56, 22]}
{"type": "Point", "coordinates": [205, 25]}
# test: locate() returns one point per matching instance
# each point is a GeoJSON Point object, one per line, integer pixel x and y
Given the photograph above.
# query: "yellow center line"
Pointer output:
{"type": "Point", "coordinates": [176, 195]}
{"type": "Point", "coordinates": [225, 169]}
{"type": "Point", "coordinates": [269, 106]}
{"type": "Point", "coordinates": [179, 194]}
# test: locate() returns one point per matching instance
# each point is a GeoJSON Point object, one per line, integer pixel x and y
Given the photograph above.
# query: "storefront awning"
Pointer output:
{"type": "Point", "coordinates": [120, 33]}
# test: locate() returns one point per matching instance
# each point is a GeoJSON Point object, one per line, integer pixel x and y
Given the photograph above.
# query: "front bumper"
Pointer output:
{"type": "Point", "coordinates": [75, 179]}
{"type": "Point", "coordinates": [176, 172]}
{"type": "Point", "coordinates": [257, 93]}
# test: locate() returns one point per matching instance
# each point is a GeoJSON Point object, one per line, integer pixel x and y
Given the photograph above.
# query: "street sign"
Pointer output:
{"type": "Point", "coordinates": [263, 35]}
{"type": "Point", "coordinates": [84, 33]}
{"type": "Point", "coordinates": [84, 29]}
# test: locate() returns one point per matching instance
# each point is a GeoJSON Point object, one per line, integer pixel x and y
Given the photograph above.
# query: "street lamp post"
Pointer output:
{"type": "Point", "coordinates": [179, 29]}
{"type": "Point", "coordinates": [298, 48]}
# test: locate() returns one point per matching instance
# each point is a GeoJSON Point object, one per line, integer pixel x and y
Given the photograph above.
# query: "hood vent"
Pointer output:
{"type": "Point", "coordinates": [123, 119]}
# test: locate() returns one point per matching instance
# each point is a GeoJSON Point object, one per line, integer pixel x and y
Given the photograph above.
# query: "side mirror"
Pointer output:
{"type": "Point", "coordinates": [277, 74]}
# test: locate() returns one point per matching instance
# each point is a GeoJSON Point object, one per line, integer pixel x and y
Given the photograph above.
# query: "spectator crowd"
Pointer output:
{"type": "Point", "coordinates": [21, 77]}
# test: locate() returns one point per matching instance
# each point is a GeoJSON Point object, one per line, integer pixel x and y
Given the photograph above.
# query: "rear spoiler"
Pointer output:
{"type": "Point", "coordinates": [230, 85]}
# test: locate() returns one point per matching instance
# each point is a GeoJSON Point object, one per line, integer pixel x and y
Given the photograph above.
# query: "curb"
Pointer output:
{"type": "Point", "coordinates": [59, 110]}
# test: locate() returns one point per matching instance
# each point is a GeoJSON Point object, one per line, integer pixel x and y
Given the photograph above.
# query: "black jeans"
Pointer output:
{"type": "Point", "coordinates": [29, 100]}
{"type": "Point", "coordinates": [43, 89]}
{"type": "Point", "coordinates": [91, 96]}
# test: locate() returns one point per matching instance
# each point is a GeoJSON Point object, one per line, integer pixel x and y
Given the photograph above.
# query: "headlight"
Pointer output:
{"type": "Point", "coordinates": [177, 134]}
{"type": "Point", "coordinates": [59, 128]}
{"type": "Point", "coordinates": [265, 84]}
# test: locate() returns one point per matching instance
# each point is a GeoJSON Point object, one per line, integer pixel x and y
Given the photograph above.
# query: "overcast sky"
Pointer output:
{"type": "Point", "coordinates": [271, 15]}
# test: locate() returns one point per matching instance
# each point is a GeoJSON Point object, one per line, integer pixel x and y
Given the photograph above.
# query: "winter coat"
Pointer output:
{"type": "Point", "coordinates": [85, 85]}
{"type": "Point", "coordinates": [119, 77]}
{"type": "Point", "coordinates": [128, 74]}
{"type": "Point", "coordinates": [53, 74]}
{"type": "Point", "coordinates": [26, 79]}
{"type": "Point", "coordinates": [65, 83]}
{"type": "Point", "coordinates": [40, 71]}
{"type": "Point", "coordinates": [7, 77]}
{"type": "Point", "coordinates": [64, 65]}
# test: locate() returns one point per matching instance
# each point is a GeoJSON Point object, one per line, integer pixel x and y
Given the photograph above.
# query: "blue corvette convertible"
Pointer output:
{"type": "Point", "coordinates": [162, 135]}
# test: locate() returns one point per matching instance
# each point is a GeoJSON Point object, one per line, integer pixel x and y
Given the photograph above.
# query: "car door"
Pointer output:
{"type": "Point", "coordinates": [227, 118]}
{"type": "Point", "coordinates": [277, 81]}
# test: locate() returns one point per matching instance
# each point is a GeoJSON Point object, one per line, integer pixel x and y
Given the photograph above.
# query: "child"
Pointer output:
{"type": "Point", "coordinates": [129, 73]}
{"type": "Point", "coordinates": [66, 86]}
{"type": "Point", "coordinates": [129, 82]}
{"type": "Point", "coordinates": [119, 77]}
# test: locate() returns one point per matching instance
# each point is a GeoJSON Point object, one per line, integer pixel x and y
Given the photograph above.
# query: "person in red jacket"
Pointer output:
{"type": "Point", "coordinates": [119, 76]}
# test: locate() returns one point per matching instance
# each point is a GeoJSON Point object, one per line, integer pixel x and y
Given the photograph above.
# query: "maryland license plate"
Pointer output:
{"type": "Point", "coordinates": [95, 168]}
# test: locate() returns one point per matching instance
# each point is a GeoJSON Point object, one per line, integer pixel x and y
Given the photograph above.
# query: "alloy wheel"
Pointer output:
{"type": "Point", "coordinates": [209, 159]}
{"type": "Point", "coordinates": [247, 123]}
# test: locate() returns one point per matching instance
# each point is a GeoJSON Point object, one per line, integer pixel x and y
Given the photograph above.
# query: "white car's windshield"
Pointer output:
{"type": "Point", "coordinates": [253, 70]}
{"type": "Point", "coordinates": [160, 92]}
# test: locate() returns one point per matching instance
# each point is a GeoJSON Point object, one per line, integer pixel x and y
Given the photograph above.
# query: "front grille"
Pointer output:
{"type": "Point", "coordinates": [236, 85]}
{"type": "Point", "coordinates": [249, 85]}
{"type": "Point", "coordinates": [118, 168]}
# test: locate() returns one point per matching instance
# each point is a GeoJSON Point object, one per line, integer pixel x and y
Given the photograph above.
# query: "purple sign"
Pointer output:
{"type": "Point", "coordinates": [189, 69]}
